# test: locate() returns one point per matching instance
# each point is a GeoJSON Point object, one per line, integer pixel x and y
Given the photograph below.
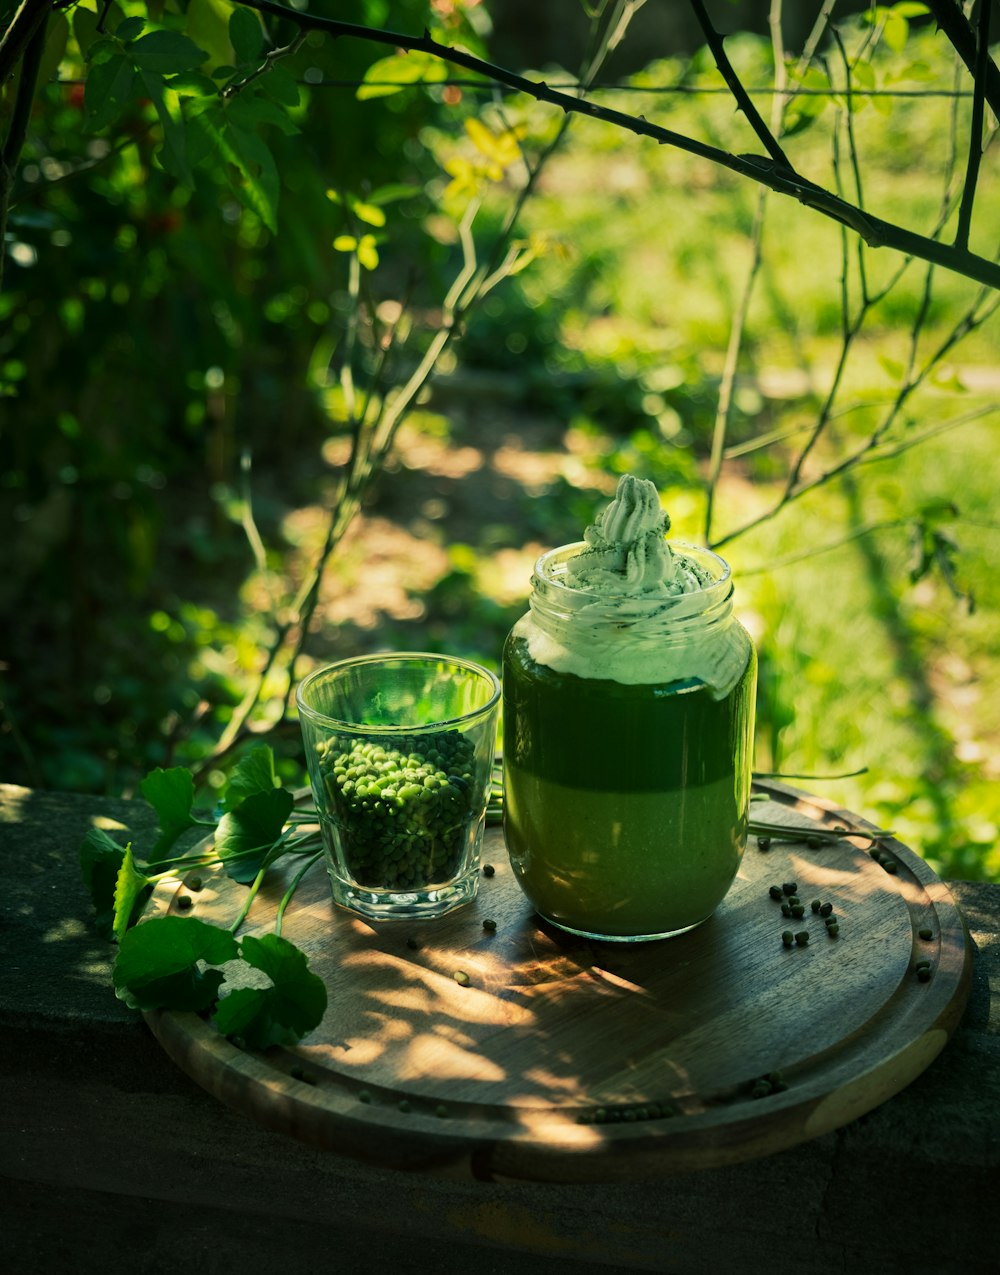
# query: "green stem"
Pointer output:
{"type": "Point", "coordinates": [287, 897]}
{"type": "Point", "coordinates": [248, 901]}
{"type": "Point", "coordinates": [191, 861]}
{"type": "Point", "coordinates": [797, 832]}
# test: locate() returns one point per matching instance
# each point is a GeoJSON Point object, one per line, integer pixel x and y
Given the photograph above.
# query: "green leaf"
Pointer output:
{"type": "Point", "coordinates": [896, 31]}
{"type": "Point", "coordinates": [367, 252]}
{"type": "Point", "coordinates": [415, 67]}
{"type": "Point", "coordinates": [891, 366]}
{"type": "Point", "coordinates": [248, 110]}
{"type": "Point", "coordinates": [260, 185]}
{"type": "Point", "coordinates": [85, 22]}
{"type": "Point", "coordinates": [103, 51]}
{"type": "Point", "coordinates": [204, 116]}
{"type": "Point", "coordinates": [173, 153]}
{"type": "Point", "coordinates": [948, 379]}
{"type": "Point", "coordinates": [129, 29]}
{"type": "Point", "coordinates": [253, 774]}
{"type": "Point", "coordinates": [280, 85]}
{"type": "Point", "coordinates": [371, 214]}
{"type": "Point", "coordinates": [246, 36]}
{"type": "Point", "coordinates": [804, 110]}
{"type": "Point", "coordinates": [109, 87]}
{"type": "Point", "coordinates": [797, 122]}
{"type": "Point", "coordinates": [245, 836]}
{"type": "Point", "coordinates": [56, 38]}
{"type": "Point", "coordinates": [157, 964]}
{"type": "Point", "coordinates": [936, 510]}
{"type": "Point", "coordinates": [390, 193]}
{"type": "Point", "coordinates": [919, 70]}
{"type": "Point", "coordinates": [345, 243]}
{"type": "Point", "coordinates": [864, 74]}
{"type": "Point", "coordinates": [100, 862]}
{"type": "Point", "coordinates": [166, 53]}
{"type": "Point", "coordinates": [283, 1013]}
{"type": "Point", "coordinates": [249, 155]}
{"type": "Point", "coordinates": [207, 23]}
{"type": "Point", "coordinates": [128, 888]}
{"type": "Point", "coordinates": [192, 84]}
{"type": "Point", "coordinates": [171, 794]}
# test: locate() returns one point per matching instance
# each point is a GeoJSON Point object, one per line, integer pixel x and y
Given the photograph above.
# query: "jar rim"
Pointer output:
{"type": "Point", "coordinates": [550, 569]}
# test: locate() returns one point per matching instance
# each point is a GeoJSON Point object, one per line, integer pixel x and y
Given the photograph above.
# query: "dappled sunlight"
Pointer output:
{"type": "Point", "coordinates": [437, 458]}
{"type": "Point", "coordinates": [384, 571]}
{"type": "Point", "coordinates": [107, 824]}
{"type": "Point", "coordinates": [12, 802]}
{"type": "Point", "coordinates": [534, 471]}
{"type": "Point", "coordinates": [489, 1028]}
{"type": "Point", "coordinates": [430, 1055]}
{"type": "Point", "coordinates": [70, 928]}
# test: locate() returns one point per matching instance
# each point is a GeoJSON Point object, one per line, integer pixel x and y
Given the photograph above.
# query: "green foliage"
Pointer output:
{"type": "Point", "coordinates": [280, 1014]}
{"type": "Point", "coordinates": [197, 230]}
{"type": "Point", "coordinates": [157, 966]}
{"type": "Point", "coordinates": [164, 962]}
{"type": "Point", "coordinates": [246, 836]}
{"type": "Point", "coordinates": [171, 794]}
{"type": "Point", "coordinates": [254, 775]}
{"type": "Point", "coordinates": [155, 327]}
{"type": "Point", "coordinates": [101, 860]}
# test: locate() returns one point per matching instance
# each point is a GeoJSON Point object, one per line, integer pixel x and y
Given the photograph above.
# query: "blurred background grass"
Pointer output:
{"type": "Point", "coordinates": [148, 343]}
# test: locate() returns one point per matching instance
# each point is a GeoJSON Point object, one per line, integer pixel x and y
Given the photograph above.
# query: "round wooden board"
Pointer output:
{"type": "Point", "coordinates": [547, 1064]}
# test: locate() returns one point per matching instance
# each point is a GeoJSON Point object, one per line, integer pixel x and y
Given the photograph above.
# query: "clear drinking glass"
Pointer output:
{"type": "Point", "coordinates": [400, 752]}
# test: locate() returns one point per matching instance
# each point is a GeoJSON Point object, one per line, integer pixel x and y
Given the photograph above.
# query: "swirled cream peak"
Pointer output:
{"type": "Point", "coordinates": [627, 552]}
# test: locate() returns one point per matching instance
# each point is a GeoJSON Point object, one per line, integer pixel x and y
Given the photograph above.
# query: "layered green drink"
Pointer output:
{"type": "Point", "coordinates": [628, 724]}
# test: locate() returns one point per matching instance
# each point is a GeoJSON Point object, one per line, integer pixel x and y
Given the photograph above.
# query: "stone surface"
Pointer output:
{"type": "Point", "coordinates": [114, 1159]}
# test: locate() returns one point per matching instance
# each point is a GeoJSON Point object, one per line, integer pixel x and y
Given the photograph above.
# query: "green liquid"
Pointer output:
{"type": "Point", "coordinates": [625, 807]}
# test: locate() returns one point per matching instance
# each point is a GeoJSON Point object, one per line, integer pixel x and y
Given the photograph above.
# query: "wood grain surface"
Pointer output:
{"type": "Point", "coordinates": [560, 1059]}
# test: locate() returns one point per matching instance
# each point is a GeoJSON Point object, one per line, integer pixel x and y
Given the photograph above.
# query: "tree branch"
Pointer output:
{"type": "Point", "coordinates": [18, 127]}
{"type": "Point", "coordinates": [735, 86]}
{"type": "Point", "coordinates": [975, 128]}
{"type": "Point", "coordinates": [15, 39]}
{"type": "Point", "coordinates": [955, 25]}
{"type": "Point", "coordinates": [776, 175]}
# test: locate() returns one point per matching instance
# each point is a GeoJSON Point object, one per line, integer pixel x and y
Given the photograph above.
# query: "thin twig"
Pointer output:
{"type": "Point", "coordinates": [816, 551]}
{"type": "Point", "coordinates": [865, 455]}
{"type": "Point", "coordinates": [270, 61]}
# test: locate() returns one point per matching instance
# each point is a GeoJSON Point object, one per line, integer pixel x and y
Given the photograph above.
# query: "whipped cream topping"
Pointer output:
{"type": "Point", "coordinates": [642, 626]}
{"type": "Point", "coordinates": [627, 553]}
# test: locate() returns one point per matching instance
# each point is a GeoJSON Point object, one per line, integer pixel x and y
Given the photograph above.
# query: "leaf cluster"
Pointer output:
{"type": "Point", "coordinates": [209, 114]}
{"type": "Point", "coordinates": [172, 962]}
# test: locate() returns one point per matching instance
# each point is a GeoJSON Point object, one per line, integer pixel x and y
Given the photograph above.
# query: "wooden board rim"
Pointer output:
{"type": "Point", "coordinates": [529, 1143]}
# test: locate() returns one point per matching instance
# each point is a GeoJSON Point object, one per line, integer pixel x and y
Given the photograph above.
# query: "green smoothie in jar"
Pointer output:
{"type": "Point", "coordinates": [629, 694]}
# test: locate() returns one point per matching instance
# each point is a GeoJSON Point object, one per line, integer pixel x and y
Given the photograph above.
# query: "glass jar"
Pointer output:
{"type": "Point", "coordinates": [627, 744]}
